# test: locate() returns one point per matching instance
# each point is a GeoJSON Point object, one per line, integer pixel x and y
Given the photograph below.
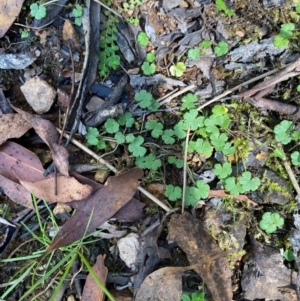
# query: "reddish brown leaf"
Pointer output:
{"type": "Point", "coordinates": [130, 212]}
{"type": "Point", "coordinates": [63, 99]}
{"type": "Point", "coordinates": [12, 126]}
{"type": "Point", "coordinates": [100, 207]}
{"type": "Point", "coordinates": [48, 133]}
{"type": "Point", "coordinates": [9, 11]}
{"type": "Point", "coordinates": [17, 160]}
{"type": "Point", "coordinates": [91, 291]}
{"type": "Point", "coordinates": [203, 253]}
{"type": "Point", "coordinates": [68, 189]}
{"type": "Point", "coordinates": [16, 192]}
{"type": "Point", "coordinates": [18, 163]}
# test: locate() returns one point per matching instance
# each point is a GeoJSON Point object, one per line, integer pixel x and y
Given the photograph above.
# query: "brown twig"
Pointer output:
{"type": "Point", "coordinates": [290, 71]}
{"type": "Point", "coordinates": [277, 106]}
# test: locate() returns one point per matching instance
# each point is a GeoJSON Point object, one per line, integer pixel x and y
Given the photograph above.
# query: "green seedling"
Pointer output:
{"type": "Point", "coordinates": [167, 136]}
{"type": "Point", "coordinates": [178, 69]}
{"type": "Point", "coordinates": [295, 157]}
{"type": "Point", "coordinates": [270, 222]}
{"type": "Point", "coordinates": [180, 130]}
{"type": "Point", "coordinates": [282, 39]}
{"type": "Point", "coordinates": [78, 12]}
{"type": "Point", "coordinates": [201, 147]}
{"type": "Point", "coordinates": [148, 162]}
{"type": "Point", "coordinates": [156, 127]}
{"type": "Point", "coordinates": [143, 39]}
{"type": "Point", "coordinates": [126, 120]}
{"type": "Point", "coordinates": [133, 20]}
{"type": "Point", "coordinates": [135, 146]}
{"type": "Point", "coordinates": [194, 53]}
{"type": "Point", "coordinates": [283, 131]}
{"type": "Point", "coordinates": [196, 296]}
{"type": "Point", "coordinates": [221, 48]}
{"type": "Point", "coordinates": [195, 193]}
{"type": "Point", "coordinates": [221, 5]}
{"type": "Point", "coordinates": [108, 57]}
{"type": "Point", "coordinates": [192, 120]}
{"type": "Point", "coordinates": [188, 101]}
{"type": "Point", "coordinates": [223, 171]}
{"type": "Point", "coordinates": [131, 4]}
{"type": "Point", "coordinates": [92, 138]}
{"type": "Point", "coordinates": [289, 255]}
{"type": "Point", "coordinates": [173, 193]}
{"type": "Point", "coordinates": [148, 66]}
{"type": "Point", "coordinates": [120, 138]}
{"type": "Point", "coordinates": [243, 184]}
{"type": "Point", "coordinates": [111, 126]}
{"type": "Point", "coordinates": [38, 11]}
{"type": "Point", "coordinates": [24, 33]}
{"type": "Point", "coordinates": [150, 57]}
{"type": "Point", "coordinates": [146, 100]}
{"type": "Point", "coordinates": [278, 153]}
{"type": "Point", "coordinates": [177, 161]}
{"type": "Point", "coordinates": [205, 44]}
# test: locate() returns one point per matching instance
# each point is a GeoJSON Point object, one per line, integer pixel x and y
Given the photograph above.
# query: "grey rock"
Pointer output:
{"type": "Point", "coordinates": [16, 61]}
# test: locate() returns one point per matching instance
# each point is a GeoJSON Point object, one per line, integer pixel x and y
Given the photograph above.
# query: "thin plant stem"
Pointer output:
{"type": "Point", "coordinates": [185, 168]}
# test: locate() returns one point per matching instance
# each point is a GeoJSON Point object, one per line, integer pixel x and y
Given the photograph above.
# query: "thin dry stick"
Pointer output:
{"type": "Point", "coordinates": [34, 28]}
{"type": "Point", "coordinates": [109, 166]}
{"type": "Point", "coordinates": [292, 176]}
{"type": "Point", "coordinates": [185, 168]}
{"type": "Point", "coordinates": [289, 171]}
{"type": "Point", "coordinates": [167, 95]}
{"type": "Point", "coordinates": [237, 87]}
{"type": "Point", "coordinates": [154, 199]}
{"type": "Point", "coordinates": [108, 8]}
{"type": "Point", "coordinates": [191, 87]}
{"type": "Point", "coordinates": [91, 153]}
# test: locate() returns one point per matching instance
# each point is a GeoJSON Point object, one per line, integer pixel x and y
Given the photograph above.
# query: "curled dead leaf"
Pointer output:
{"type": "Point", "coordinates": [48, 133]}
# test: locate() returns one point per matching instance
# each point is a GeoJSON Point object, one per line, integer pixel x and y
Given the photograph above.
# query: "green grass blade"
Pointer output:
{"type": "Point", "coordinates": [19, 280]}
{"type": "Point", "coordinates": [63, 277]}
{"type": "Point", "coordinates": [48, 274]}
{"type": "Point", "coordinates": [95, 277]}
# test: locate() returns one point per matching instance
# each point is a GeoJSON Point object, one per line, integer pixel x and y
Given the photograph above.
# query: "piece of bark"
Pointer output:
{"type": "Point", "coordinates": [203, 253]}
